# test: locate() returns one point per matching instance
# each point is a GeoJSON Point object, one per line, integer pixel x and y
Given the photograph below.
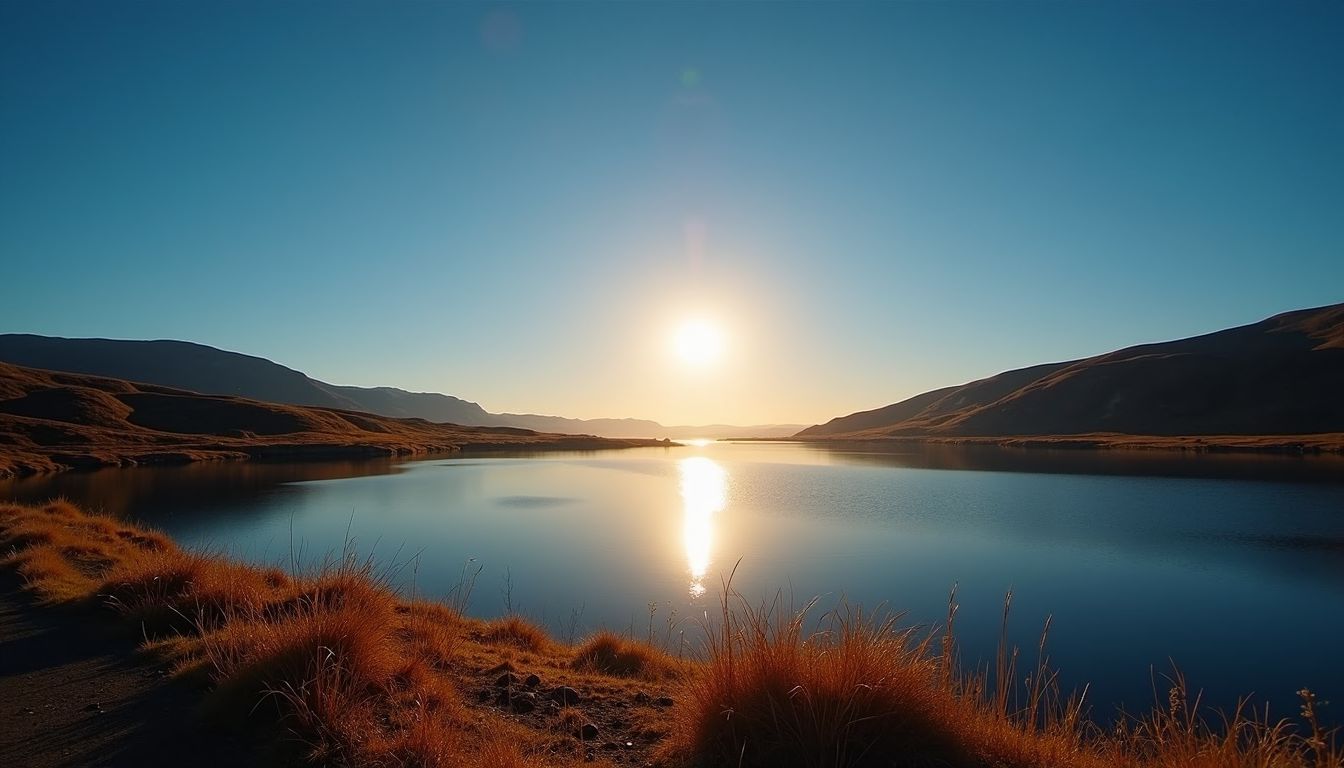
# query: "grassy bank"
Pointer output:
{"type": "Point", "coordinates": [352, 673]}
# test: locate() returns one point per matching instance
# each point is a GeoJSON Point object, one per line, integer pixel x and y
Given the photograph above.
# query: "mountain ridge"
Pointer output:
{"type": "Point", "coordinates": [209, 370]}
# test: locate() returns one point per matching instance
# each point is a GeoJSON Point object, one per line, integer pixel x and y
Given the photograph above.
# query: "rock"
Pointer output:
{"type": "Point", "coordinates": [524, 702]}
{"type": "Point", "coordinates": [565, 695]}
{"type": "Point", "coordinates": [503, 698]}
{"type": "Point", "coordinates": [642, 698]}
{"type": "Point", "coordinates": [664, 701]}
{"type": "Point", "coordinates": [587, 732]}
{"type": "Point", "coordinates": [532, 681]}
{"type": "Point", "coordinates": [94, 707]}
{"type": "Point", "coordinates": [506, 680]}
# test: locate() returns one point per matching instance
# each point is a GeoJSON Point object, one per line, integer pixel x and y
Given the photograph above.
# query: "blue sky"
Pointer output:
{"type": "Point", "coordinates": [517, 204]}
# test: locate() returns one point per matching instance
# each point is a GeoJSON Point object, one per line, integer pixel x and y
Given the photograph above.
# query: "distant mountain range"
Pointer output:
{"type": "Point", "coordinates": [207, 370]}
{"type": "Point", "coordinates": [1280, 376]}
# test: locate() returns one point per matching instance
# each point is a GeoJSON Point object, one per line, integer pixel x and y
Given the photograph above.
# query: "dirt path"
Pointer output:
{"type": "Point", "coordinates": [73, 692]}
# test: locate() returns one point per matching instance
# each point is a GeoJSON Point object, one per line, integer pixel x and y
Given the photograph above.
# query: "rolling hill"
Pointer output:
{"type": "Point", "coordinates": [207, 370]}
{"type": "Point", "coordinates": [199, 368]}
{"type": "Point", "coordinates": [1281, 376]}
{"type": "Point", "coordinates": [52, 421]}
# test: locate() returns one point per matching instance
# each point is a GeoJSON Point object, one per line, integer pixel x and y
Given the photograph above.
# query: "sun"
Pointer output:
{"type": "Point", "coordinates": [698, 343]}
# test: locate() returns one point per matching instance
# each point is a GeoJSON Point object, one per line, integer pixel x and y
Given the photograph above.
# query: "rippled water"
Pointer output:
{"type": "Point", "coordinates": [1231, 567]}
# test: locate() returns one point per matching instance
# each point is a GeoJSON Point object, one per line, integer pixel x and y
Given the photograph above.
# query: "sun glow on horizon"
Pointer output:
{"type": "Point", "coordinates": [699, 343]}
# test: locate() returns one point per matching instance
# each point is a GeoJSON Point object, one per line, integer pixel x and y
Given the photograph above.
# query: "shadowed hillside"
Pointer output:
{"type": "Point", "coordinates": [1281, 376]}
{"type": "Point", "coordinates": [51, 421]}
{"type": "Point", "coordinates": [199, 368]}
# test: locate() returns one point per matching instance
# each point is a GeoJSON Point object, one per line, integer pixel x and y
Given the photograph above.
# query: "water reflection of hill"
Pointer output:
{"type": "Point", "coordinates": [1270, 467]}
{"type": "Point", "coordinates": [182, 492]}
{"type": "Point", "coordinates": [1266, 523]}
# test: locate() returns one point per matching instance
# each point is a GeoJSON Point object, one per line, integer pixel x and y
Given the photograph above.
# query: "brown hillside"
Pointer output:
{"type": "Point", "coordinates": [1281, 376]}
{"type": "Point", "coordinates": [51, 421]}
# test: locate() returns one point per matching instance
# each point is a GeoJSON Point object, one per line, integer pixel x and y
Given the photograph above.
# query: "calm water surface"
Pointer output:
{"type": "Point", "coordinates": [1233, 568]}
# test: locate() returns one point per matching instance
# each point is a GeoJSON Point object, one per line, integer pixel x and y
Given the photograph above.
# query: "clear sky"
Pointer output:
{"type": "Point", "coordinates": [518, 204]}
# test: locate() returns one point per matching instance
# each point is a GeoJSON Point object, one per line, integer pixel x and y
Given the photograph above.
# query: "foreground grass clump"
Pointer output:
{"type": "Point", "coordinates": [858, 691]}
{"type": "Point", "coordinates": [364, 677]}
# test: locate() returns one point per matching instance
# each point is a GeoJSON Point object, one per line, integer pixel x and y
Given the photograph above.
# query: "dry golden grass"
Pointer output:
{"type": "Point", "coordinates": [859, 691]}
{"type": "Point", "coordinates": [361, 676]}
{"type": "Point", "coordinates": [366, 678]}
{"type": "Point", "coordinates": [772, 694]}
{"type": "Point", "coordinates": [516, 631]}
{"type": "Point", "coordinates": [613, 654]}
{"type": "Point", "coordinates": [62, 551]}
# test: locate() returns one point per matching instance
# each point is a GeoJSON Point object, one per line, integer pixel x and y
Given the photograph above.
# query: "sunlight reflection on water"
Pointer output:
{"type": "Point", "coordinates": [704, 490]}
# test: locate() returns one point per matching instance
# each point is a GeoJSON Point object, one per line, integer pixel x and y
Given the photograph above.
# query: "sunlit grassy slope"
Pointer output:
{"type": "Point", "coordinates": [369, 677]}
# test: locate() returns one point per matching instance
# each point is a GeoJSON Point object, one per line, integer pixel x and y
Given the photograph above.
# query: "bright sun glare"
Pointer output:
{"type": "Point", "coordinates": [699, 343]}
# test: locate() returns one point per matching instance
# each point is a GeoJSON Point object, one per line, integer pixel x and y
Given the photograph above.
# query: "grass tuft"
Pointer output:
{"type": "Point", "coordinates": [612, 654]}
{"type": "Point", "coordinates": [517, 632]}
{"type": "Point", "coordinates": [858, 691]}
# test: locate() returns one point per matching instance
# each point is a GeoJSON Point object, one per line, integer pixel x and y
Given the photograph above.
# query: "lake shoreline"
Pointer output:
{"type": "Point", "coordinates": [1285, 445]}
{"type": "Point", "coordinates": [18, 463]}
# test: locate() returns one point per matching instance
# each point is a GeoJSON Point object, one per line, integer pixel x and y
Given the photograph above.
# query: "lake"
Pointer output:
{"type": "Point", "coordinates": [1231, 566]}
